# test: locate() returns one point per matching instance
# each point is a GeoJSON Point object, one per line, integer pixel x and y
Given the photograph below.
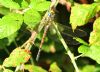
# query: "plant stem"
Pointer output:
{"type": "Point", "coordinates": [66, 48]}
{"type": "Point", "coordinates": [32, 61]}
{"type": "Point", "coordinates": [6, 50]}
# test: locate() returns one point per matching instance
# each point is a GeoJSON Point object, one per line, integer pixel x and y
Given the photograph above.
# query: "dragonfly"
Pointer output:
{"type": "Point", "coordinates": [66, 31]}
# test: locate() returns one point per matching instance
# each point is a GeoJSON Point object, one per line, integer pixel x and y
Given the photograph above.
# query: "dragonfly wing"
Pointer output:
{"type": "Point", "coordinates": [68, 39]}
{"type": "Point", "coordinates": [68, 31]}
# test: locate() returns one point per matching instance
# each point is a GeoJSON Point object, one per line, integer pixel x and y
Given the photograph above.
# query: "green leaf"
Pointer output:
{"type": "Point", "coordinates": [9, 24]}
{"type": "Point", "coordinates": [94, 38]}
{"type": "Point", "coordinates": [96, 25]}
{"type": "Point", "coordinates": [83, 49]}
{"type": "Point", "coordinates": [7, 41]}
{"type": "Point", "coordinates": [33, 3]}
{"type": "Point", "coordinates": [98, 9]}
{"type": "Point", "coordinates": [93, 52]}
{"type": "Point", "coordinates": [32, 18]}
{"type": "Point", "coordinates": [7, 70]}
{"type": "Point", "coordinates": [97, 1]}
{"type": "Point", "coordinates": [24, 4]}
{"type": "Point", "coordinates": [54, 68]}
{"type": "Point", "coordinates": [11, 38]}
{"type": "Point", "coordinates": [88, 68]}
{"type": "Point", "coordinates": [9, 4]}
{"type": "Point", "coordinates": [17, 57]}
{"type": "Point", "coordinates": [18, 1]}
{"type": "Point", "coordinates": [81, 41]}
{"type": "Point", "coordinates": [32, 68]}
{"type": "Point", "coordinates": [0, 67]}
{"type": "Point", "coordinates": [80, 14]}
{"type": "Point", "coordinates": [95, 34]}
{"type": "Point", "coordinates": [97, 69]}
{"type": "Point", "coordinates": [42, 6]}
{"type": "Point", "coordinates": [4, 10]}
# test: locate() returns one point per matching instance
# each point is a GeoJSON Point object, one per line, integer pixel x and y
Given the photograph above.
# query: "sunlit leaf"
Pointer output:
{"type": "Point", "coordinates": [7, 70]}
{"type": "Point", "coordinates": [24, 4]}
{"type": "Point", "coordinates": [93, 52]}
{"type": "Point", "coordinates": [94, 38]}
{"type": "Point", "coordinates": [33, 3]}
{"type": "Point", "coordinates": [80, 14]}
{"type": "Point", "coordinates": [43, 6]}
{"type": "Point", "coordinates": [95, 34]}
{"type": "Point", "coordinates": [10, 4]}
{"type": "Point", "coordinates": [9, 24]}
{"type": "Point", "coordinates": [17, 57]}
{"type": "Point", "coordinates": [88, 68]}
{"type": "Point", "coordinates": [11, 38]}
{"type": "Point", "coordinates": [97, 1]}
{"type": "Point", "coordinates": [54, 68]}
{"type": "Point", "coordinates": [4, 10]}
{"type": "Point", "coordinates": [96, 25]}
{"type": "Point", "coordinates": [32, 18]}
{"type": "Point", "coordinates": [81, 41]}
{"type": "Point", "coordinates": [83, 49]}
{"type": "Point", "coordinates": [98, 9]}
{"type": "Point", "coordinates": [32, 68]}
{"type": "Point", "coordinates": [7, 41]}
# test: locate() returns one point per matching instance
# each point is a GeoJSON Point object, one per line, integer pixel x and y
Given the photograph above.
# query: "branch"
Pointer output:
{"type": "Point", "coordinates": [66, 48]}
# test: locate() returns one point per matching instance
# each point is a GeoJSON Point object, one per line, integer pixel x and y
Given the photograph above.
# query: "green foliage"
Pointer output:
{"type": "Point", "coordinates": [42, 6]}
{"type": "Point", "coordinates": [11, 38]}
{"type": "Point", "coordinates": [54, 68]}
{"type": "Point", "coordinates": [39, 5]}
{"type": "Point", "coordinates": [16, 58]}
{"type": "Point", "coordinates": [32, 68]}
{"type": "Point", "coordinates": [81, 41]}
{"type": "Point", "coordinates": [14, 14]}
{"type": "Point", "coordinates": [10, 4]}
{"type": "Point", "coordinates": [94, 38]}
{"type": "Point", "coordinates": [24, 4]}
{"type": "Point", "coordinates": [7, 70]}
{"type": "Point", "coordinates": [80, 14]}
{"type": "Point", "coordinates": [9, 24]}
{"type": "Point", "coordinates": [32, 18]}
{"type": "Point", "coordinates": [92, 52]}
{"type": "Point", "coordinates": [2, 43]}
{"type": "Point", "coordinates": [97, 1]}
{"type": "Point", "coordinates": [4, 10]}
{"type": "Point", "coordinates": [88, 68]}
{"type": "Point", "coordinates": [83, 49]}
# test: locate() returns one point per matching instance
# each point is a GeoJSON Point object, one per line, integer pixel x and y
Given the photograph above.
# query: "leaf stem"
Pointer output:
{"type": "Point", "coordinates": [32, 61]}
{"type": "Point", "coordinates": [6, 50]}
{"type": "Point", "coordinates": [66, 48]}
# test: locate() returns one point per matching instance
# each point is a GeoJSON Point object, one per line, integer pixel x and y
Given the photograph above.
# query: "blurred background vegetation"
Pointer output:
{"type": "Point", "coordinates": [53, 56]}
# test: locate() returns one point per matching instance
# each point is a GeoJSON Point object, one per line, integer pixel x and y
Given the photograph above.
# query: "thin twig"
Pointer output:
{"type": "Point", "coordinates": [78, 56]}
{"type": "Point", "coordinates": [31, 39]}
{"type": "Point", "coordinates": [66, 48]}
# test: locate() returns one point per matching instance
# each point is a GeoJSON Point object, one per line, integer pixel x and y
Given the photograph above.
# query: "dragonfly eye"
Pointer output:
{"type": "Point", "coordinates": [49, 14]}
